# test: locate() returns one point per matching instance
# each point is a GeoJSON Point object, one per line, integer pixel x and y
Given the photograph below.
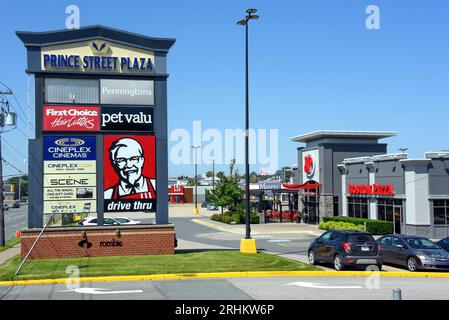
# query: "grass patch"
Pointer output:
{"type": "Point", "coordinates": [9, 244]}
{"type": "Point", "coordinates": [192, 262]}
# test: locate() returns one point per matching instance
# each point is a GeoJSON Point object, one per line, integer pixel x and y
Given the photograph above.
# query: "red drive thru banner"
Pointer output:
{"type": "Point", "coordinates": [71, 118]}
{"type": "Point", "coordinates": [129, 173]}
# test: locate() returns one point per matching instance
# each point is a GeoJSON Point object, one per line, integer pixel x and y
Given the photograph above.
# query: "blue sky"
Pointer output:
{"type": "Point", "coordinates": [314, 65]}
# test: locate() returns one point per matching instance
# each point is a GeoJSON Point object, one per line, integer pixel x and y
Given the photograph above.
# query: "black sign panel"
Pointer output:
{"type": "Point", "coordinates": [126, 119]}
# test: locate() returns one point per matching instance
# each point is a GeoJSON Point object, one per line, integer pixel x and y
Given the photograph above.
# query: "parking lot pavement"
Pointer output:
{"type": "Point", "coordinates": [291, 246]}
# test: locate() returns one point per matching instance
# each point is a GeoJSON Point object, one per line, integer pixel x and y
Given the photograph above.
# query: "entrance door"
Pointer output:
{"type": "Point", "coordinates": [397, 219]}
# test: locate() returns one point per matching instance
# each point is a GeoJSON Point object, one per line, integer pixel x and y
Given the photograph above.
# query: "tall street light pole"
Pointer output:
{"type": "Point", "coordinates": [196, 211]}
{"type": "Point", "coordinates": [247, 245]}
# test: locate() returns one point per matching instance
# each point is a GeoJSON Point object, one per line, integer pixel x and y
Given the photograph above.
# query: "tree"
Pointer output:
{"type": "Point", "coordinates": [209, 174]}
{"type": "Point", "coordinates": [226, 192]}
{"type": "Point", "coordinates": [23, 184]}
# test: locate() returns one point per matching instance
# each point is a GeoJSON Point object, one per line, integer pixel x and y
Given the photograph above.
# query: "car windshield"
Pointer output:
{"type": "Point", "coordinates": [360, 238]}
{"type": "Point", "coordinates": [421, 243]}
{"type": "Point", "coordinates": [122, 220]}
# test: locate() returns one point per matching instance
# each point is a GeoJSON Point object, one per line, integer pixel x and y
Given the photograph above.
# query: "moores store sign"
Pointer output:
{"type": "Point", "coordinates": [97, 56]}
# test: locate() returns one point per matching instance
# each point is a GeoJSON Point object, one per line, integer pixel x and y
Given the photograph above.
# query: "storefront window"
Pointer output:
{"type": "Point", "coordinates": [336, 207]}
{"type": "Point", "coordinates": [84, 91]}
{"type": "Point", "coordinates": [358, 207]}
{"type": "Point", "coordinates": [311, 209]}
{"type": "Point", "coordinates": [441, 212]}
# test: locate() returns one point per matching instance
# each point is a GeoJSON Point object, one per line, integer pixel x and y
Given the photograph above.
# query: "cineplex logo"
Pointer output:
{"type": "Point", "coordinates": [71, 118]}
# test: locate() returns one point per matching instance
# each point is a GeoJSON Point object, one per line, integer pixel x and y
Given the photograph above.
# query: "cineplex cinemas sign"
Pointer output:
{"type": "Point", "coordinates": [81, 118]}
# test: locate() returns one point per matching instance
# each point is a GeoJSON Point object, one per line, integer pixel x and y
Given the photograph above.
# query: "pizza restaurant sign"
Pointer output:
{"type": "Point", "coordinates": [97, 56]}
{"type": "Point", "coordinates": [374, 189]}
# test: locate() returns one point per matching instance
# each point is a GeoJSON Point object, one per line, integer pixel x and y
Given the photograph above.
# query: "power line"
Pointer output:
{"type": "Point", "coordinates": [27, 123]}
{"type": "Point", "coordinates": [17, 101]}
{"type": "Point", "coordinates": [9, 164]}
{"type": "Point", "coordinates": [9, 145]}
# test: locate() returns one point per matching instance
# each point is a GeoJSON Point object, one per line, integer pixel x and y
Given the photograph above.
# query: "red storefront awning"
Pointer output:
{"type": "Point", "coordinates": [305, 186]}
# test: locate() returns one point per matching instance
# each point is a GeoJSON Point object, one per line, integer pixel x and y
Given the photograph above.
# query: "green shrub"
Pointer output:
{"type": "Point", "coordinates": [334, 225]}
{"type": "Point", "coordinates": [235, 218]}
{"type": "Point", "coordinates": [377, 227]}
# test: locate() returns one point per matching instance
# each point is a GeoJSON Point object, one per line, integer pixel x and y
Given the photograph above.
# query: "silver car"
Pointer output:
{"type": "Point", "coordinates": [413, 252]}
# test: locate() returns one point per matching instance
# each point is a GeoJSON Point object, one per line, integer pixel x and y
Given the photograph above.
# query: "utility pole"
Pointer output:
{"type": "Point", "coordinates": [20, 183]}
{"type": "Point", "coordinates": [196, 211]}
{"type": "Point", "coordinates": [7, 118]}
{"type": "Point", "coordinates": [213, 174]}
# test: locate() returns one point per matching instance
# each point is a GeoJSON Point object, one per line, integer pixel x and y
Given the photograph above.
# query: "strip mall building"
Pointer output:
{"type": "Point", "coordinates": [358, 178]}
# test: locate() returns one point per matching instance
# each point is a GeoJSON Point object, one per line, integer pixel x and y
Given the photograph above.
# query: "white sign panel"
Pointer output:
{"type": "Point", "coordinates": [311, 165]}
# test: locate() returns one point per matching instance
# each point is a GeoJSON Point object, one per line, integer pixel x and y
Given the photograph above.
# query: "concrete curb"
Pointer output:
{"type": "Point", "coordinates": [249, 274]}
{"type": "Point", "coordinates": [224, 229]}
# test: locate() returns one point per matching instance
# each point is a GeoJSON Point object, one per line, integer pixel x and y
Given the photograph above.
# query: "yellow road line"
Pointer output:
{"type": "Point", "coordinates": [181, 276]}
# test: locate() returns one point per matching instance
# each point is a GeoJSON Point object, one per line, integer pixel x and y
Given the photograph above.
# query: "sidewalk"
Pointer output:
{"type": "Point", "coordinates": [261, 229]}
{"type": "Point", "coordinates": [8, 254]}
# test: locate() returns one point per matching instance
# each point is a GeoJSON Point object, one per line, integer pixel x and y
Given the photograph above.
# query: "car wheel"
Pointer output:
{"type": "Point", "coordinates": [338, 264]}
{"type": "Point", "coordinates": [412, 264]}
{"type": "Point", "coordinates": [312, 259]}
{"type": "Point", "coordinates": [379, 266]}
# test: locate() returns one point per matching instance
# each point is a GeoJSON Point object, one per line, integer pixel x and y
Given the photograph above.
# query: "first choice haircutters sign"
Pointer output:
{"type": "Point", "coordinates": [93, 118]}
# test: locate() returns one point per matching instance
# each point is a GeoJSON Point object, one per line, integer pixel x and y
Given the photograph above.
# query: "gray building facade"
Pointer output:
{"type": "Point", "coordinates": [358, 178]}
{"type": "Point", "coordinates": [318, 163]}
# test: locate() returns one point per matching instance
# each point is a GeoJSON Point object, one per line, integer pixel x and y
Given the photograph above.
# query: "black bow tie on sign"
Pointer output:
{"type": "Point", "coordinates": [133, 187]}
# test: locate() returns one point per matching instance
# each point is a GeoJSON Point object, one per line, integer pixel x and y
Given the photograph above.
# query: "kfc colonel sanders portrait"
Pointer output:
{"type": "Point", "coordinates": [127, 158]}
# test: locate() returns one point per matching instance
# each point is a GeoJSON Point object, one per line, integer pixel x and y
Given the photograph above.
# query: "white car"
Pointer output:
{"type": "Point", "coordinates": [126, 220]}
{"type": "Point", "coordinates": [92, 221]}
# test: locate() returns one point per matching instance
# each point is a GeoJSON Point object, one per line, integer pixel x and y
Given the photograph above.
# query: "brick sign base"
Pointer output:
{"type": "Point", "coordinates": [78, 242]}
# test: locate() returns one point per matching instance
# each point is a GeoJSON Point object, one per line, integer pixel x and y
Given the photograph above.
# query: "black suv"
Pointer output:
{"type": "Point", "coordinates": [345, 248]}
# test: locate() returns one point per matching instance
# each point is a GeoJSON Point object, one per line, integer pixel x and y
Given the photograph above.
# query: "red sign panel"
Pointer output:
{"type": "Point", "coordinates": [129, 173]}
{"type": "Point", "coordinates": [375, 189]}
{"type": "Point", "coordinates": [176, 189]}
{"type": "Point", "coordinates": [71, 118]}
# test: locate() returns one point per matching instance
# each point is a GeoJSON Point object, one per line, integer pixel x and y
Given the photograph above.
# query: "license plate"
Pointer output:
{"type": "Point", "coordinates": [366, 261]}
{"type": "Point", "coordinates": [365, 248]}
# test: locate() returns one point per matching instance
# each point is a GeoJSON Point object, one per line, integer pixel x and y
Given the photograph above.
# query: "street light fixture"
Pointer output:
{"type": "Point", "coordinates": [247, 245]}
{"type": "Point", "coordinates": [196, 210]}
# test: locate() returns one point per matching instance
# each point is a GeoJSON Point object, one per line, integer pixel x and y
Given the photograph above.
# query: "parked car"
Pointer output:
{"type": "Point", "coordinates": [413, 252]}
{"type": "Point", "coordinates": [211, 207]}
{"type": "Point", "coordinates": [5, 206]}
{"type": "Point", "coordinates": [345, 248]}
{"type": "Point", "coordinates": [204, 204]}
{"type": "Point", "coordinates": [92, 221]}
{"type": "Point", "coordinates": [444, 243]}
{"type": "Point", "coordinates": [16, 204]}
{"type": "Point", "coordinates": [126, 220]}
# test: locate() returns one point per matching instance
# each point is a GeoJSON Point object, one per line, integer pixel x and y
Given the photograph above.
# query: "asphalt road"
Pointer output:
{"type": "Point", "coordinates": [15, 219]}
{"type": "Point", "coordinates": [280, 243]}
{"type": "Point", "coordinates": [271, 288]}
